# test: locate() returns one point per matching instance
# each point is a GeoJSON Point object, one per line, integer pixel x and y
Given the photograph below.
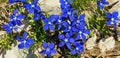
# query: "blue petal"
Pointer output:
{"type": "Point", "coordinates": [71, 18]}
{"type": "Point", "coordinates": [19, 38]}
{"type": "Point", "coordinates": [27, 6]}
{"type": "Point", "coordinates": [15, 11]}
{"type": "Point", "coordinates": [46, 26]}
{"type": "Point", "coordinates": [25, 35]}
{"type": "Point", "coordinates": [21, 46]}
{"type": "Point", "coordinates": [86, 31]}
{"type": "Point", "coordinates": [42, 52]}
{"type": "Point", "coordinates": [26, 45]}
{"type": "Point", "coordinates": [73, 52]}
{"type": "Point", "coordinates": [51, 27]}
{"type": "Point", "coordinates": [51, 45]}
{"type": "Point", "coordinates": [45, 45]}
{"type": "Point", "coordinates": [68, 46]}
{"type": "Point", "coordinates": [115, 14]}
{"type": "Point", "coordinates": [53, 51]}
{"type": "Point", "coordinates": [108, 15]}
{"type": "Point", "coordinates": [46, 20]}
{"type": "Point", "coordinates": [108, 23]}
{"type": "Point", "coordinates": [83, 37]}
{"type": "Point", "coordinates": [61, 36]}
{"type": "Point", "coordinates": [59, 26]}
{"type": "Point", "coordinates": [35, 1]}
{"type": "Point", "coordinates": [61, 44]}
{"type": "Point", "coordinates": [31, 10]}
{"type": "Point", "coordinates": [23, 0]}
{"type": "Point", "coordinates": [37, 8]}
{"type": "Point", "coordinates": [20, 16]}
{"type": "Point", "coordinates": [82, 16]}
{"type": "Point", "coordinates": [67, 35]}
{"type": "Point", "coordinates": [71, 40]}
{"type": "Point", "coordinates": [30, 41]}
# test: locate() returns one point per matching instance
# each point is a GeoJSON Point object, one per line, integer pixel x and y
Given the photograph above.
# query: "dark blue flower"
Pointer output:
{"type": "Point", "coordinates": [113, 18]}
{"type": "Point", "coordinates": [82, 34]}
{"type": "Point", "coordinates": [79, 47]}
{"type": "Point", "coordinates": [48, 49]}
{"type": "Point", "coordinates": [38, 15]}
{"type": "Point", "coordinates": [101, 3]}
{"type": "Point", "coordinates": [25, 42]}
{"type": "Point", "coordinates": [32, 7]}
{"type": "Point", "coordinates": [9, 27]}
{"type": "Point", "coordinates": [13, 1]}
{"type": "Point", "coordinates": [66, 40]}
{"type": "Point", "coordinates": [16, 18]}
{"type": "Point", "coordinates": [79, 22]}
{"type": "Point", "coordinates": [50, 22]}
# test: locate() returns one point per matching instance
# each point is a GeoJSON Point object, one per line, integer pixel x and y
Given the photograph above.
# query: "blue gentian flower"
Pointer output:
{"type": "Point", "coordinates": [66, 40]}
{"type": "Point", "coordinates": [79, 47]}
{"type": "Point", "coordinates": [38, 15]}
{"type": "Point", "coordinates": [16, 18]}
{"type": "Point", "coordinates": [50, 22]}
{"type": "Point", "coordinates": [25, 42]}
{"type": "Point", "coordinates": [113, 18]}
{"type": "Point", "coordinates": [101, 3]}
{"type": "Point", "coordinates": [9, 27]}
{"type": "Point", "coordinates": [48, 49]}
{"type": "Point", "coordinates": [32, 6]}
{"type": "Point", "coordinates": [13, 1]}
{"type": "Point", "coordinates": [82, 34]}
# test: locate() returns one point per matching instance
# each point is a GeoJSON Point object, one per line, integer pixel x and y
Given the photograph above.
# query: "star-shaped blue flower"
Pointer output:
{"type": "Point", "coordinates": [113, 19]}
{"type": "Point", "coordinates": [101, 3]}
{"type": "Point", "coordinates": [32, 6]}
{"type": "Point", "coordinates": [66, 40]}
{"type": "Point", "coordinates": [16, 18]}
{"type": "Point", "coordinates": [50, 22]}
{"type": "Point", "coordinates": [9, 27]}
{"type": "Point", "coordinates": [25, 42]}
{"type": "Point", "coordinates": [82, 34]}
{"type": "Point", "coordinates": [48, 49]}
{"type": "Point", "coordinates": [79, 47]}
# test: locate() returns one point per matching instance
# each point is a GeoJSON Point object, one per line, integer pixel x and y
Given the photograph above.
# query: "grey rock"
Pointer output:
{"type": "Point", "coordinates": [107, 44]}
{"type": "Point", "coordinates": [50, 6]}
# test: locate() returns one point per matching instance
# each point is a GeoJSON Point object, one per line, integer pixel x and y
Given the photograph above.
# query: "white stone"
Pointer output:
{"type": "Point", "coordinates": [107, 44]}
{"type": "Point", "coordinates": [50, 6]}
{"type": "Point", "coordinates": [91, 42]}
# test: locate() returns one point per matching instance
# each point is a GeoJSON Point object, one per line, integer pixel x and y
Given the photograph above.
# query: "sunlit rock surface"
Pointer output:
{"type": "Point", "coordinates": [50, 6]}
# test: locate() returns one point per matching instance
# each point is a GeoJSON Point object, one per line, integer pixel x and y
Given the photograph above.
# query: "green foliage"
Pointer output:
{"type": "Point", "coordinates": [82, 5]}
{"type": "Point", "coordinates": [5, 43]}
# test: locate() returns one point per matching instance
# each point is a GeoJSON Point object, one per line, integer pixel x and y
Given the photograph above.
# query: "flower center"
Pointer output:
{"type": "Point", "coordinates": [59, 21]}
{"type": "Point", "coordinates": [112, 19]}
{"type": "Point", "coordinates": [80, 32]}
{"type": "Point", "coordinates": [49, 22]}
{"type": "Point", "coordinates": [78, 21]}
{"type": "Point", "coordinates": [10, 27]}
{"type": "Point", "coordinates": [69, 27]}
{"type": "Point", "coordinates": [47, 49]}
{"type": "Point", "coordinates": [101, 3]}
{"type": "Point", "coordinates": [66, 40]}
{"type": "Point", "coordinates": [32, 5]}
{"type": "Point", "coordinates": [68, 13]}
{"type": "Point", "coordinates": [24, 41]}
{"type": "Point", "coordinates": [77, 48]}
{"type": "Point", "coordinates": [15, 18]}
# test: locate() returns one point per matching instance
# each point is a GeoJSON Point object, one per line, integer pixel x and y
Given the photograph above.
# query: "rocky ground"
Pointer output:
{"type": "Point", "coordinates": [105, 48]}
